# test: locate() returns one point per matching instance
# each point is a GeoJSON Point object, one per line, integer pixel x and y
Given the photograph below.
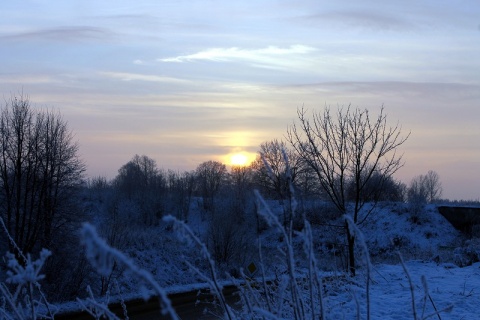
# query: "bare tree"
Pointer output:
{"type": "Point", "coordinates": [433, 186]}
{"type": "Point", "coordinates": [241, 184]}
{"type": "Point", "coordinates": [347, 150]}
{"type": "Point", "coordinates": [210, 176]}
{"type": "Point", "coordinates": [180, 189]}
{"type": "Point", "coordinates": [275, 176]}
{"type": "Point", "coordinates": [39, 172]}
{"type": "Point", "coordinates": [427, 188]}
{"type": "Point", "coordinates": [145, 185]}
{"type": "Point", "coordinates": [423, 189]}
{"type": "Point", "coordinates": [271, 183]}
{"type": "Point", "coordinates": [137, 176]}
{"type": "Point", "coordinates": [270, 169]}
{"type": "Point", "coordinates": [391, 189]}
{"type": "Point", "coordinates": [417, 196]}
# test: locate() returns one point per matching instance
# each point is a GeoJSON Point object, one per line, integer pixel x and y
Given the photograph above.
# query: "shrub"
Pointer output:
{"type": "Point", "coordinates": [468, 254]}
{"type": "Point", "coordinates": [230, 237]}
{"type": "Point", "coordinates": [21, 295]}
{"type": "Point", "coordinates": [320, 212]}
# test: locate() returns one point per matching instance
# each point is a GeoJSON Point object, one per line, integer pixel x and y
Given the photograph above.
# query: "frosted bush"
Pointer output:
{"type": "Point", "coordinates": [102, 257]}
{"type": "Point", "coordinates": [26, 299]}
{"type": "Point", "coordinates": [98, 310]}
{"type": "Point", "coordinates": [468, 254]}
{"type": "Point", "coordinates": [30, 273]}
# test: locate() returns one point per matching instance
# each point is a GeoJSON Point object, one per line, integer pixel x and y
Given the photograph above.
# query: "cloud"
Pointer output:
{"type": "Point", "coordinates": [125, 76]}
{"type": "Point", "coordinates": [360, 19]}
{"type": "Point", "coordinates": [63, 34]}
{"type": "Point", "coordinates": [427, 89]}
{"type": "Point", "coordinates": [271, 55]}
{"type": "Point", "coordinates": [22, 79]}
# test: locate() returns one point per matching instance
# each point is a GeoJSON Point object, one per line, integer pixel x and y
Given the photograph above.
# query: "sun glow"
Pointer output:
{"type": "Point", "coordinates": [239, 159]}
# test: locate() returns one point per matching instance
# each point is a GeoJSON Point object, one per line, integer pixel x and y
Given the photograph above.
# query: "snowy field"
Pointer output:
{"type": "Point", "coordinates": [428, 247]}
{"type": "Point", "coordinates": [440, 288]}
{"type": "Point", "coordinates": [453, 290]}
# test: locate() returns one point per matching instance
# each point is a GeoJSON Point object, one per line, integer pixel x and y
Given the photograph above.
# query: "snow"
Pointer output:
{"type": "Point", "coordinates": [430, 237]}
{"type": "Point", "coordinates": [390, 293]}
{"type": "Point", "coordinates": [393, 228]}
{"type": "Point", "coordinates": [426, 242]}
{"type": "Point", "coordinates": [102, 257]}
{"type": "Point", "coordinates": [457, 287]}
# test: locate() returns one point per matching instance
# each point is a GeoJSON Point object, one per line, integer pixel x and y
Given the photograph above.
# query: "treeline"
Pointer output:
{"type": "Point", "coordinates": [40, 179]}
{"type": "Point", "coordinates": [157, 191]}
{"type": "Point", "coordinates": [45, 196]}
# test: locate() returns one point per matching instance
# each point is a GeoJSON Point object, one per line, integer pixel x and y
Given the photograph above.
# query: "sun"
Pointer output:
{"type": "Point", "coordinates": [239, 159]}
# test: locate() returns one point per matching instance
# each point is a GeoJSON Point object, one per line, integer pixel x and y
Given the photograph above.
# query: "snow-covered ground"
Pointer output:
{"type": "Point", "coordinates": [458, 287]}
{"type": "Point", "coordinates": [454, 291]}
{"type": "Point", "coordinates": [426, 242]}
{"type": "Point", "coordinates": [427, 235]}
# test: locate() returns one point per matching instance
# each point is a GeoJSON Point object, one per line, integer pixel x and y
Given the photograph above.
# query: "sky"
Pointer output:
{"type": "Point", "coordinates": [189, 81]}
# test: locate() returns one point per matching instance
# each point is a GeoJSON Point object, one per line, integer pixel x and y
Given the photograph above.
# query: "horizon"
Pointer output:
{"type": "Point", "coordinates": [184, 82]}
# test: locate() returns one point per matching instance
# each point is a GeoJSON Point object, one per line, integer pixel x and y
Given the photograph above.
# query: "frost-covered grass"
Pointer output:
{"type": "Point", "coordinates": [453, 290]}
{"type": "Point", "coordinates": [21, 293]}
{"type": "Point", "coordinates": [439, 290]}
{"type": "Point", "coordinates": [393, 228]}
{"type": "Point", "coordinates": [304, 261]}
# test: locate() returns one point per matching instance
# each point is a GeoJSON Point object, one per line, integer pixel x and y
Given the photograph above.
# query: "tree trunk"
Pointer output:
{"type": "Point", "coordinates": [351, 251]}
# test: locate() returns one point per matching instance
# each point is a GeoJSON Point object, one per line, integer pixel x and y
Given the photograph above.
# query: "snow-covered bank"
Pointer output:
{"type": "Point", "coordinates": [452, 289]}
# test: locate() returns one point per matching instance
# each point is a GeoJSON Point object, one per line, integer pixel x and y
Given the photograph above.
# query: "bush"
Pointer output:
{"type": "Point", "coordinates": [21, 295]}
{"type": "Point", "coordinates": [229, 236]}
{"type": "Point", "coordinates": [468, 254]}
{"type": "Point", "coordinates": [320, 212]}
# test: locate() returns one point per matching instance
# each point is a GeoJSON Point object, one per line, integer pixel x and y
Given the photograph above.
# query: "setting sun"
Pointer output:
{"type": "Point", "coordinates": [239, 159]}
